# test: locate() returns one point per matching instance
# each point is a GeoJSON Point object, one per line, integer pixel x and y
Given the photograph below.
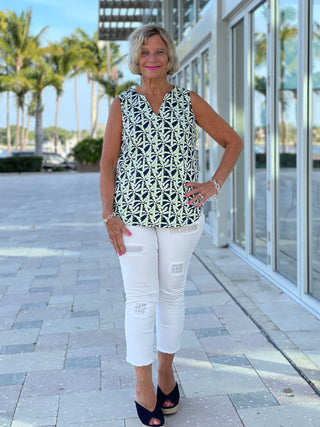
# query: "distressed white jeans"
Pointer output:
{"type": "Point", "coordinates": [154, 270]}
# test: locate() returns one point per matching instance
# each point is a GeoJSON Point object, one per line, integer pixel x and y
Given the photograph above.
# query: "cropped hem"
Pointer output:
{"type": "Point", "coordinates": [169, 352]}
{"type": "Point", "coordinates": [139, 364]}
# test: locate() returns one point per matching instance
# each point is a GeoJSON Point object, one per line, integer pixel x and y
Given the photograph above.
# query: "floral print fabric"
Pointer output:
{"type": "Point", "coordinates": [158, 157]}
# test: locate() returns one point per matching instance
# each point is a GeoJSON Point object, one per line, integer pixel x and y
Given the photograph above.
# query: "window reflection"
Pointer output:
{"type": "Point", "coordinates": [188, 16]}
{"type": "Point", "coordinates": [287, 138]}
{"type": "Point", "coordinates": [195, 75]}
{"type": "Point", "coordinates": [238, 124]}
{"type": "Point", "coordinates": [201, 6]}
{"type": "Point", "coordinates": [315, 149]}
{"type": "Point", "coordinates": [174, 12]}
{"type": "Point", "coordinates": [259, 107]}
{"type": "Point", "coordinates": [187, 77]}
{"type": "Point", "coordinates": [207, 173]}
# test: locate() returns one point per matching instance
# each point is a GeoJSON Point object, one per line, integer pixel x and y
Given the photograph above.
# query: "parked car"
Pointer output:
{"type": "Point", "coordinates": [50, 160]}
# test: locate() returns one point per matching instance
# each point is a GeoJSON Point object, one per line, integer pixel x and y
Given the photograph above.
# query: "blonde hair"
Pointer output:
{"type": "Point", "coordinates": [139, 37]}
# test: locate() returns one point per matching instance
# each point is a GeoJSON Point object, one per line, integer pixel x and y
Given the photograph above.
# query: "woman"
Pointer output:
{"type": "Point", "coordinates": [152, 207]}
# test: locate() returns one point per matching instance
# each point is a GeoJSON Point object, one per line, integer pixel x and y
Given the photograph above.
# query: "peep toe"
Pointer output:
{"type": "Point", "coordinates": [145, 416]}
{"type": "Point", "coordinates": [174, 397]}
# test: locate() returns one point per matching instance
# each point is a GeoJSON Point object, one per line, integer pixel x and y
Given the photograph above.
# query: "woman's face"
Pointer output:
{"type": "Point", "coordinates": [154, 58]}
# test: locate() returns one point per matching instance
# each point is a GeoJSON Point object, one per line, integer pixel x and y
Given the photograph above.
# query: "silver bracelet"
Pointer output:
{"type": "Point", "coordinates": [106, 220]}
{"type": "Point", "coordinates": [218, 187]}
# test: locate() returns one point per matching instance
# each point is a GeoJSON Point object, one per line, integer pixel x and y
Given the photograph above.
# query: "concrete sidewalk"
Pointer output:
{"type": "Point", "coordinates": [62, 360]}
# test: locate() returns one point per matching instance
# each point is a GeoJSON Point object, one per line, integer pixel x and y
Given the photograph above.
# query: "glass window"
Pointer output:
{"type": "Point", "coordinates": [259, 133]}
{"type": "Point", "coordinates": [187, 77]}
{"type": "Point", "coordinates": [238, 77]}
{"type": "Point", "coordinates": [207, 169]}
{"type": "Point", "coordinates": [202, 7]}
{"type": "Point", "coordinates": [287, 51]}
{"type": "Point", "coordinates": [195, 75]}
{"type": "Point", "coordinates": [206, 97]}
{"type": "Point", "coordinates": [188, 16]}
{"type": "Point", "coordinates": [174, 27]}
{"type": "Point", "coordinates": [315, 149]}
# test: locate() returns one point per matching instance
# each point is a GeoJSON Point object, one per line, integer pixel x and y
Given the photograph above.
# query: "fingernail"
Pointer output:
{"type": "Point", "coordinates": [119, 254]}
{"type": "Point", "coordinates": [198, 206]}
{"type": "Point", "coordinates": [185, 185]}
{"type": "Point", "coordinates": [123, 253]}
{"type": "Point", "coordinates": [186, 195]}
{"type": "Point", "coordinates": [129, 234]}
{"type": "Point", "coordinates": [189, 203]}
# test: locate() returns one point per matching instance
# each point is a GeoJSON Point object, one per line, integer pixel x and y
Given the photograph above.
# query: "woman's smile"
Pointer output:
{"type": "Point", "coordinates": [154, 56]}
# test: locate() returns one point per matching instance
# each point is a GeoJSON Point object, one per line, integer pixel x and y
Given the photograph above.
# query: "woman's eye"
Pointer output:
{"type": "Point", "coordinates": [145, 53]}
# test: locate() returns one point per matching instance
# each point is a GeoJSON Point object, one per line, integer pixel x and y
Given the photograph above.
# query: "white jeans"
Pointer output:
{"type": "Point", "coordinates": [154, 270]}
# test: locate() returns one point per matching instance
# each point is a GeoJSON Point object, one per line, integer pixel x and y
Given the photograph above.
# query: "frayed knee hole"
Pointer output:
{"type": "Point", "coordinates": [140, 308]}
{"type": "Point", "coordinates": [138, 249]}
{"type": "Point", "coordinates": [176, 269]}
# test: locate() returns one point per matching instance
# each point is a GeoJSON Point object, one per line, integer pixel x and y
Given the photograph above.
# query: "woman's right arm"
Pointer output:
{"type": "Point", "coordinates": [109, 157]}
{"type": "Point", "coordinates": [108, 164]}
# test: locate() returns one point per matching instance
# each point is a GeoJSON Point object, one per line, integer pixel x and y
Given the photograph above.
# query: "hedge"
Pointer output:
{"type": "Point", "coordinates": [88, 151]}
{"type": "Point", "coordinates": [21, 164]}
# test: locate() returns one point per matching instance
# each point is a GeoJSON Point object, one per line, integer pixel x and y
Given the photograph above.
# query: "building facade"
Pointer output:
{"type": "Point", "coordinates": [257, 62]}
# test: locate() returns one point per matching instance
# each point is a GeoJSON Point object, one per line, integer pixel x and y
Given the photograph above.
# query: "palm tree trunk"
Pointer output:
{"type": "Point", "coordinates": [77, 108]}
{"type": "Point", "coordinates": [38, 127]}
{"type": "Point", "coordinates": [22, 141]}
{"type": "Point", "coordinates": [56, 124]}
{"type": "Point", "coordinates": [16, 142]}
{"type": "Point", "coordinates": [97, 110]}
{"type": "Point", "coordinates": [93, 108]}
{"type": "Point", "coordinates": [8, 125]}
{"type": "Point", "coordinates": [26, 135]}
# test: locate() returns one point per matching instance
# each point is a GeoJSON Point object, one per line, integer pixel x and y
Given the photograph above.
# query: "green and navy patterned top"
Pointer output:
{"type": "Point", "coordinates": [158, 157]}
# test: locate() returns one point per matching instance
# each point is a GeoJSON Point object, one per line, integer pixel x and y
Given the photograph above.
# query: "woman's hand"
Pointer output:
{"type": "Point", "coordinates": [200, 192]}
{"type": "Point", "coordinates": [116, 229]}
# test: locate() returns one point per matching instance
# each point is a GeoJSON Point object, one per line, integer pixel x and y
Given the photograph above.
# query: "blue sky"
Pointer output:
{"type": "Point", "coordinates": [62, 17]}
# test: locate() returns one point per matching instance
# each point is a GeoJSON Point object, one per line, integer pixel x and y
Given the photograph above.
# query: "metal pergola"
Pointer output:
{"type": "Point", "coordinates": [117, 18]}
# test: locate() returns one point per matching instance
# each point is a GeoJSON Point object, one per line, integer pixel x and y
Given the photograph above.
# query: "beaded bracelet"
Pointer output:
{"type": "Point", "coordinates": [218, 187]}
{"type": "Point", "coordinates": [106, 220]}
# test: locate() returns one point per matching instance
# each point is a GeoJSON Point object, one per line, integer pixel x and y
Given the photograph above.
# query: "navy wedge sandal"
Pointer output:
{"type": "Point", "coordinates": [174, 397]}
{"type": "Point", "coordinates": [145, 416]}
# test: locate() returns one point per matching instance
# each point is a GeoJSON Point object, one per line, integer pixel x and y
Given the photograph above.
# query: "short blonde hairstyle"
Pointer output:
{"type": "Point", "coordinates": [139, 37]}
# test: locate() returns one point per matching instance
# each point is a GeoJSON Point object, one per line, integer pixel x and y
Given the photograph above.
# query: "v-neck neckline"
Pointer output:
{"type": "Point", "coordinates": [162, 102]}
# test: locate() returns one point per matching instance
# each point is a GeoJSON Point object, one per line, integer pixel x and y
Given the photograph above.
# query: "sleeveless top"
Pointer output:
{"type": "Point", "coordinates": [158, 157]}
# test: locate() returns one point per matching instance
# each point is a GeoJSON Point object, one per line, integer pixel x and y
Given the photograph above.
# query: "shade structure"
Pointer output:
{"type": "Point", "coordinates": [117, 18]}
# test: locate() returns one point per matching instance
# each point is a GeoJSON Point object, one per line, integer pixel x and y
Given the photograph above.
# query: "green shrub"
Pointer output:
{"type": "Point", "coordinates": [316, 163]}
{"type": "Point", "coordinates": [260, 160]}
{"type": "Point", "coordinates": [58, 169]}
{"type": "Point", "coordinates": [88, 150]}
{"type": "Point", "coordinates": [21, 164]}
{"type": "Point", "coordinates": [287, 160]}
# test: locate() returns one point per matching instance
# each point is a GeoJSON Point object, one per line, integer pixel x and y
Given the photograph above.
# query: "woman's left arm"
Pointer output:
{"type": "Point", "coordinates": [225, 136]}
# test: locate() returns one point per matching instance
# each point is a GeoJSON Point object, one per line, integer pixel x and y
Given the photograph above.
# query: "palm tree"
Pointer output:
{"type": "Point", "coordinates": [4, 47]}
{"type": "Point", "coordinates": [61, 60]}
{"type": "Point", "coordinates": [19, 46]}
{"type": "Point", "coordinates": [94, 63]}
{"type": "Point", "coordinates": [20, 86]}
{"type": "Point", "coordinates": [100, 59]}
{"type": "Point", "coordinates": [41, 76]}
{"type": "Point", "coordinates": [75, 49]}
{"type": "Point", "coordinates": [111, 86]}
